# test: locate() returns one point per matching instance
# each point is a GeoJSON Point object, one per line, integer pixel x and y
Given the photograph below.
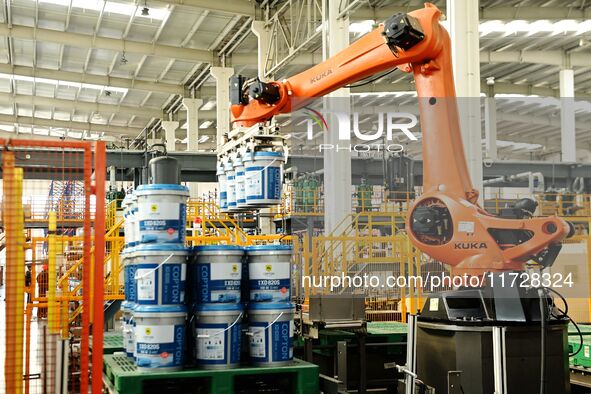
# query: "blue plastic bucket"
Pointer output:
{"type": "Point", "coordinates": [160, 337]}
{"type": "Point", "coordinates": [218, 274]}
{"type": "Point", "coordinates": [218, 335]}
{"type": "Point", "coordinates": [162, 213]}
{"type": "Point", "coordinates": [269, 273]}
{"type": "Point", "coordinates": [270, 333]}
{"type": "Point", "coordinates": [263, 172]}
{"type": "Point", "coordinates": [160, 274]}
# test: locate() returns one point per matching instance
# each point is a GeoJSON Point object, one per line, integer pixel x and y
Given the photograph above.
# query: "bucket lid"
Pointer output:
{"type": "Point", "coordinates": [160, 309]}
{"type": "Point", "coordinates": [237, 161]}
{"type": "Point", "coordinates": [219, 307]}
{"type": "Point", "coordinates": [142, 189]}
{"type": "Point", "coordinates": [127, 251]}
{"type": "Point", "coordinates": [217, 248]}
{"type": "Point", "coordinates": [257, 248]}
{"type": "Point", "coordinates": [266, 306]}
{"type": "Point", "coordinates": [220, 169]}
{"type": "Point", "coordinates": [160, 247]}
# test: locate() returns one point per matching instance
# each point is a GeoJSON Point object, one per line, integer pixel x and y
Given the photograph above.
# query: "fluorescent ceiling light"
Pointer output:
{"type": "Point", "coordinates": [531, 28]}
{"type": "Point", "coordinates": [362, 27]}
{"type": "Point", "coordinates": [202, 139]}
{"type": "Point", "coordinates": [112, 8]}
{"type": "Point", "coordinates": [206, 124]}
{"type": "Point", "coordinates": [56, 82]}
{"type": "Point", "coordinates": [517, 145]}
{"type": "Point", "coordinates": [208, 106]}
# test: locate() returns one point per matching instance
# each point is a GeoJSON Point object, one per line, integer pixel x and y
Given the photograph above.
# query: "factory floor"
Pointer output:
{"type": "Point", "coordinates": [36, 372]}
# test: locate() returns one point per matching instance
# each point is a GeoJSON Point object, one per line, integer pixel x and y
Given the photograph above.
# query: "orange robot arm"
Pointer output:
{"type": "Point", "coordinates": [446, 221]}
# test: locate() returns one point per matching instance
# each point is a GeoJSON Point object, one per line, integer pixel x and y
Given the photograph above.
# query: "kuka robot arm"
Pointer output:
{"type": "Point", "coordinates": [446, 221]}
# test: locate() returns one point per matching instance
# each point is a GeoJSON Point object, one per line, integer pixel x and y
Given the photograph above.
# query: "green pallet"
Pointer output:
{"type": "Point", "coordinates": [301, 378]}
{"type": "Point", "coordinates": [583, 358]}
{"type": "Point", "coordinates": [112, 342]}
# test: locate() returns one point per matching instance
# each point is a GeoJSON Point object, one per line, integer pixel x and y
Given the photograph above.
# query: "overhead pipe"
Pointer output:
{"type": "Point", "coordinates": [535, 180]}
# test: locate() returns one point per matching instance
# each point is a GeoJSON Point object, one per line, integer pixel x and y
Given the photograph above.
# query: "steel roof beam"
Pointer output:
{"type": "Point", "coordinates": [75, 77]}
{"type": "Point", "coordinates": [112, 44]}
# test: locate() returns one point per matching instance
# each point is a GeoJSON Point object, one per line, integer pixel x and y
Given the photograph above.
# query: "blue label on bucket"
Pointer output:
{"type": "Point", "coordinates": [213, 341]}
{"type": "Point", "coordinates": [281, 345]}
{"type": "Point", "coordinates": [219, 282]}
{"type": "Point", "coordinates": [129, 282]}
{"type": "Point", "coordinates": [150, 291]}
{"type": "Point", "coordinates": [173, 284]}
{"type": "Point", "coordinates": [159, 346]}
{"type": "Point", "coordinates": [270, 344]}
{"type": "Point", "coordinates": [273, 183]}
{"type": "Point", "coordinates": [224, 200]}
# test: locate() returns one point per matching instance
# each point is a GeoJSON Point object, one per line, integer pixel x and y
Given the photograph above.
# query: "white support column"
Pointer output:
{"type": "Point", "coordinates": [170, 127]}
{"type": "Point", "coordinates": [490, 127]}
{"type": "Point", "coordinates": [222, 92]}
{"type": "Point", "coordinates": [264, 38]}
{"type": "Point", "coordinates": [463, 25]}
{"type": "Point", "coordinates": [337, 164]}
{"type": "Point", "coordinates": [567, 115]}
{"type": "Point", "coordinates": [192, 106]}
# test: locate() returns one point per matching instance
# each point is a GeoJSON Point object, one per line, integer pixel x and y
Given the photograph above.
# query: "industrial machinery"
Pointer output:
{"type": "Point", "coordinates": [489, 338]}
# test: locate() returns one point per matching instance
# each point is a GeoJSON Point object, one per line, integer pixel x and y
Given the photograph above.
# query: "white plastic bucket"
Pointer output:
{"type": "Point", "coordinates": [160, 337]}
{"type": "Point", "coordinates": [127, 326]}
{"type": "Point", "coordinates": [230, 185]}
{"type": "Point", "coordinates": [240, 184]}
{"type": "Point", "coordinates": [160, 276]}
{"type": "Point", "coordinates": [218, 335]}
{"type": "Point", "coordinates": [128, 236]}
{"type": "Point", "coordinates": [270, 333]}
{"type": "Point", "coordinates": [162, 213]}
{"type": "Point", "coordinates": [263, 177]}
{"type": "Point", "coordinates": [218, 274]}
{"type": "Point", "coordinates": [222, 184]}
{"type": "Point", "coordinates": [269, 273]}
{"type": "Point", "coordinates": [133, 216]}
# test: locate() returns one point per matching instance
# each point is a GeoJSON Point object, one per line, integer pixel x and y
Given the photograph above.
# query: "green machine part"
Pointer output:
{"type": "Point", "coordinates": [298, 194]}
{"type": "Point", "coordinates": [364, 196]}
{"type": "Point", "coordinates": [310, 194]}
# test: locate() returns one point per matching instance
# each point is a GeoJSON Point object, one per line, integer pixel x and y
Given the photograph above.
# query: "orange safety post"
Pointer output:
{"type": "Point", "coordinates": [86, 274]}
{"type": "Point", "coordinates": [100, 166]}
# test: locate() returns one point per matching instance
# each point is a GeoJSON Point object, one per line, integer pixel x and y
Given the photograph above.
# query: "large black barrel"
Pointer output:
{"type": "Point", "coordinates": [165, 170]}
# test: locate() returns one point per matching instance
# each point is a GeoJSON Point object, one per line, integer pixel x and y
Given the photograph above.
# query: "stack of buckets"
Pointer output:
{"type": "Point", "coordinates": [251, 181]}
{"type": "Point", "coordinates": [155, 270]}
{"type": "Point", "coordinates": [219, 283]}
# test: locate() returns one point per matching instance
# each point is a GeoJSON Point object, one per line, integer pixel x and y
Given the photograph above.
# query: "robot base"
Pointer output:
{"type": "Point", "coordinates": [448, 341]}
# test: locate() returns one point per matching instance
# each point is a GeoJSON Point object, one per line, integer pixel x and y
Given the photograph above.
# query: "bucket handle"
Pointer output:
{"type": "Point", "coordinates": [267, 166]}
{"type": "Point", "coordinates": [222, 331]}
{"type": "Point", "coordinates": [251, 333]}
{"type": "Point", "coordinates": [136, 278]}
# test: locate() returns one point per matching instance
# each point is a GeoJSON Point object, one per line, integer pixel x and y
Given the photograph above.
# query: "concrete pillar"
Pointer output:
{"type": "Point", "coordinates": [170, 127]}
{"type": "Point", "coordinates": [264, 38]}
{"type": "Point", "coordinates": [222, 92]}
{"type": "Point", "coordinates": [337, 164]}
{"type": "Point", "coordinates": [463, 25]}
{"type": "Point", "coordinates": [192, 106]}
{"type": "Point", "coordinates": [567, 115]}
{"type": "Point", "coordinates": [490, 127]}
